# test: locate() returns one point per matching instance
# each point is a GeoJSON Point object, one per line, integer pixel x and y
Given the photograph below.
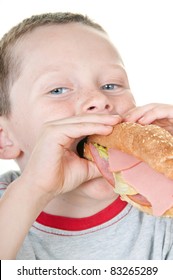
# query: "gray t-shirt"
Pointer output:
{"type": "Point", "coordinates": [118, 232]}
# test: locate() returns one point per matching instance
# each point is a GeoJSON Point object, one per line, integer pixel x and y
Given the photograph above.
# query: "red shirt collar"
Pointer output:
{"type": "Point", "coordinates": [76, 224]}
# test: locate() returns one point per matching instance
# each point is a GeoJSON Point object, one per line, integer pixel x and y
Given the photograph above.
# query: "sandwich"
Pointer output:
{"type": "Point", "coordinates": [137, 160]}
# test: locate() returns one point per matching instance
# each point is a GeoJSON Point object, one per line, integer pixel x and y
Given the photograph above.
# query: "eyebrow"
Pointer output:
{"type": "Point", "coordinates": [54, 69]}
{"type": "Point", "coordinates": [46, 73]}
{"type": "Point", "coordinates": [118, 67]}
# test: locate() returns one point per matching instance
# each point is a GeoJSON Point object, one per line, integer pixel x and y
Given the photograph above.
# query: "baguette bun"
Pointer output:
{"type": "Point", "coordinates": [149, 143]}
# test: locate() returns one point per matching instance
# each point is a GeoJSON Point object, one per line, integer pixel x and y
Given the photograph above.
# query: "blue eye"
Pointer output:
{"type": "Point", "coordinates": [58, 91]}
{"type": "Point", "coordinates": [110, 87]}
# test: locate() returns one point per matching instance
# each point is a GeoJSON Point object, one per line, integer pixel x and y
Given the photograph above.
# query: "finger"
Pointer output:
{"type": "Point", "coordinates": [139, 112]}
{"type": "Point", "coordinates": [64, 135]}
{"type": "Point", "coordinates": [158, 112]}
{"type": "Point", "coordinates": [66, 130]}
{"type": "Point", "coordinates": [93, 171]}
{"type": "Point", "coordinates": [98, 118]}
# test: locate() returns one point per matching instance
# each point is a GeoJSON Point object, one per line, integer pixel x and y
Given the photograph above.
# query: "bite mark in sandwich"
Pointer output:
{"type": "Point", "coordinates": [138, 161]}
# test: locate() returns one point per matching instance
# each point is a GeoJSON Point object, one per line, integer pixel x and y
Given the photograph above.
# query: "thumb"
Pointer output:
{"type": "Point", "coordinates": [93, 171]}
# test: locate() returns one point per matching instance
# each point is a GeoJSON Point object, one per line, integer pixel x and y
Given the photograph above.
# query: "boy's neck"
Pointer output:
{"type": "Point", "coordinates": [76, 204]}
{"type": "Point", "coordinates": [64, 207]}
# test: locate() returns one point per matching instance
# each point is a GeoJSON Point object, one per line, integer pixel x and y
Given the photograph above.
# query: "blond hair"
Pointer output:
{"type": "Point", "coordinates": [10, 66]}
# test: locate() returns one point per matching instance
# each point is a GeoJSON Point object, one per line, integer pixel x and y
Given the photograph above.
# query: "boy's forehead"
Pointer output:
{"type": "Point", "coordinates": [61, 44]}
{"type": "Point", "coordinates": [65, 33]}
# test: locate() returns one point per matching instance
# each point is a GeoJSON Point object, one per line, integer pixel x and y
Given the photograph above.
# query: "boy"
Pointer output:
{"type": "Point", "coordinates": [61, 80]}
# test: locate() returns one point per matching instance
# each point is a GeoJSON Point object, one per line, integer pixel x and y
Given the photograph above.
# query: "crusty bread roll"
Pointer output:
{"type": "Point", "coordinates": [149, 143]}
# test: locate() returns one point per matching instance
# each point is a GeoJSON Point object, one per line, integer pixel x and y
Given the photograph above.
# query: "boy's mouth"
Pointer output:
{"type": "Point", "coordinates": [80, 147]}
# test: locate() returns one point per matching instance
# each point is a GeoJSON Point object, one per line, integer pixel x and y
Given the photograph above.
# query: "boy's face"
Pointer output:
{"type": "Point", "coordinates": [66, 70]}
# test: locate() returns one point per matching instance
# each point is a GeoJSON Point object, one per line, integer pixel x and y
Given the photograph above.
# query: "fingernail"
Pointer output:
{"type": "Point", "coordinates": [141, 120]}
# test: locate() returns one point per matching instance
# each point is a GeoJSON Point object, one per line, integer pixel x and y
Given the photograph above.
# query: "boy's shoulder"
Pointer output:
{"type": "Point", "coordinates": [7, 178]}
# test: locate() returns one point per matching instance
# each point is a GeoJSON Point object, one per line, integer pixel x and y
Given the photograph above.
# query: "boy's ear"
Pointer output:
{"type": "Point", "coordinates": [8, 149]}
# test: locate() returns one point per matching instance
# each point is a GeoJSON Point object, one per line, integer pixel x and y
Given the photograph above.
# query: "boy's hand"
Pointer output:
{"type": "Point", "coordinates": [54, 167]}
{"type": "Point", "coordinates": [159, 114]}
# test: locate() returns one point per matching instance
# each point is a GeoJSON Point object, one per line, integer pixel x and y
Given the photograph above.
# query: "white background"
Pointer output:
{"type": "Point", "coordinates": [141, 29]}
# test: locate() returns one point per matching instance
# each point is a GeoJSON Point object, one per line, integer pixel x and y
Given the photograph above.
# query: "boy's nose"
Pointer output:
{"type": "Point", "coordinates": [97, 103]}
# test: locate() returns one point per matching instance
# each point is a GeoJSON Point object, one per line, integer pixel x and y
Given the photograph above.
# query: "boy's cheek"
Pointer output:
{"type": "Point", "coordinates": [126, 105]}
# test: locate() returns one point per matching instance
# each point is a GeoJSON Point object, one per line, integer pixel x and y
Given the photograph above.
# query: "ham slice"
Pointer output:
{"type": "Point", "coordinates": [140, 199]}
{"type": "Point", "coordinates": [102, 164]}
{"type": "Point", "coordinates": [119, 160]}
{"type": "Point", "coordinates": [152, 185]}
{"type": "Point", "coordinates": [156, 187]}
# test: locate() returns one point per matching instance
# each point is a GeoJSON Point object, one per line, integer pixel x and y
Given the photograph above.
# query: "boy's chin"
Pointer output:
{"type": "Point", "coordinates": [98, 189]}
